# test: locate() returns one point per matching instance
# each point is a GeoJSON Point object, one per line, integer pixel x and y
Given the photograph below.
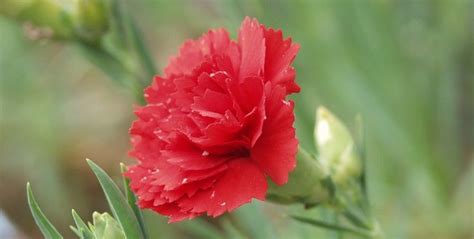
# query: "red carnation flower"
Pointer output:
{"type": "Point", "coordinates": [216, 124]}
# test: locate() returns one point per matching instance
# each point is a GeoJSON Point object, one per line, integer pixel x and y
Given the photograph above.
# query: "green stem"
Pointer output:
{"type": "Point", "coordinates": [360, 144]}
{"type": "Point", "coordinates": [356, 220]}
{"type": "Point", "coordinates": [338, 234]}
{"type": "Point", "coordinates": [116, 68]}
{"type": "Point", "coordinates": [322, 224]}
{"type": "Point", "coordinates": [142, 51]}
{"type": "Point", "coordinates": [236, 225]}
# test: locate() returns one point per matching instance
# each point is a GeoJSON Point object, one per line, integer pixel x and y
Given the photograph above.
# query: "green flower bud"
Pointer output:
{"type": "Point", "coordinates": [307, 183]}
{"type": "Point", "coordinates": [13, 8]}
{"type": "Point", "coordinates": [336, 147]}
{"type": "Point", "coordinates": [84, 20]}
{"type": "Point", "coordinates": [91, 20]}
{"type": "Point", "coordinates": [106, 227]}
{"type": "Point", "coordinates": [40, 16]}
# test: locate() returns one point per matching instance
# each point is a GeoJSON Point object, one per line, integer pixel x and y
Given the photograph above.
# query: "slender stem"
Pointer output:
{"type": "Point", "coordinates": [360, 144]}
{"type": "Point", "coordinates": [356, 220]}
{"type": "Point", "coordinates": [314, 222]}
{"type": "Point", "coordinates": [362, 221]}
{"type": "Point", "coordinates": [236, 225]}
{"type": "Point", "coordinates": [142, 50]}
{"type": "Point", "coordinates": [338, 234]}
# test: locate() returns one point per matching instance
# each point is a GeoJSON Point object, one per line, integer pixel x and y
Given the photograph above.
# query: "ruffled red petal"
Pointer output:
{"type": "Point", "coordinates": [194, 52]}
{"type": "Point", "coordinates": [241, 182]}
{"type": "Point", "coordinates": [275, 150]}
{"type": "Point", "coordinates": [279, 55]}
{"type": "Point", "coordinates": [252, 48]}
{"type": "Point", "coordinates": [216, 124]}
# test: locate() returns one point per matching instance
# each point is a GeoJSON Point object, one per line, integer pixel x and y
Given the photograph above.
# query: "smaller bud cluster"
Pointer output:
{"type": "Point", "coordinates": [83, 20]}
{"type": "Point", "coordinates": [336, 148]}
{"type": "Point", "coordinates": [333, 177]}
{"type": "Point", "coordinates": [333, 168]}
{"type": "Point", "coordinates": [105, 227]}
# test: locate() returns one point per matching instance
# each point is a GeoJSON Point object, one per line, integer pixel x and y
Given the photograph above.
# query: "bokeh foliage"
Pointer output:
{"type": "Point", "coordinates": [406, 66]}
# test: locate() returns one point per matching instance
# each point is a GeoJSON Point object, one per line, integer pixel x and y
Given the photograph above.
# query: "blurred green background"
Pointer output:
{"type": "Point", "coordinates": [406, 66]}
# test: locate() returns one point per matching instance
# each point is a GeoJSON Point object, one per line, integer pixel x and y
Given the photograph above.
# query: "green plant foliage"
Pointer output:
{"type": "Point", "coordinates": [118, 204]}
{"type": "Point", "coordinates": [132, 200]}
{"type": "Point", "coordinates": [334, 227]}
{"type": "Point", "coordinates": [48, 230]}
{"type": "Point", "coordinates": [406, 66]}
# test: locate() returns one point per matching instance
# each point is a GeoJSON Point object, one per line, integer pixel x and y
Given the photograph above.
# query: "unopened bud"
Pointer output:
{"type": "Point", "coordinates": [13, 8]}
{"type": "Point", "coordinates": [336, 147]}
{"type": "Point", "coordinates": [106, 227]}
{"type": "Point", "coordinates": [83, 20]}
{"type": "Point", "coordinates": [41, 15]}
{"type": "Point", "coordinates": [91, 20]}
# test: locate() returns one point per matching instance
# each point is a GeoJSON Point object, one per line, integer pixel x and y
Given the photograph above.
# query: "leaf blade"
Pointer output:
{"type": "Point", "coordinates": [48, 230]}
{"type": "Point", "coordinates": [131, 199]}
{"type": "Point", "coordinates": [117, 203]}
{"type": "Point", "coordinates": [81, 226]}
{"type": "Point", "coordinates": [142, 50]}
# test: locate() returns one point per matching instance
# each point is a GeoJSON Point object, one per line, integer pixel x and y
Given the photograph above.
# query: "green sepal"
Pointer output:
{"type": "Point", "coordinates": [305, 183]}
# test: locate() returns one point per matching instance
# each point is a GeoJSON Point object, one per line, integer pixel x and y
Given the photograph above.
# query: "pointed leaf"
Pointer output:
{"type": "Point", "coordinates": [360, 146]}
{"type": "Point", "coordinates": [48, 230]}
{"type": "Point", "coordinates": [356, 219]}
{"type": "Point", "coordinates": [76, 231]}
{"type": "Point", "coordinates": [141, 50]}
{"type": "Point", "coordinates": [81, 226]}
{"type": "Point", "coordinates": [118, 205]}
{"type": "Point", "coordinates": [132, 201]}
{"type": "Point", "coordinates": [106, 62]}
{"type": "Point", "coordinates": [85, 234]}
{"type": "Point", "coordinates": [119, 27]}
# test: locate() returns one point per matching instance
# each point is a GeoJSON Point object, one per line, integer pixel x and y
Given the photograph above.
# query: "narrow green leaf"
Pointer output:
{"type": "Point", "coordinates": [132, 200]}
{"type": "Point", "coordinates": [360, 144]}
{"type": "Point", "coordinates": [81, 226]}
{"type": "Point", "coordinates": [106, 62]}
{"type": "Point", "coordinates": [356, 219]}
{"type": "Point", "coordinates": [118, 22]}
{"type": "Point", "coordinates": [48, 230]}
{"type": "Point", "coordinates": [85, 234]}
{"type": "Point", "coordinates": [76, 231]}
{"type": "Point", "coordinates": [130, 37]}
{"type": "Point", "coordinates": [115, 69]}
{"type": "Point", "coordinates": [142, 50]}
{"type": "Point", "coordinates": [118, 205]}
{"type": "Point", "coordinates": [360, 136]}
{"type": "Point", "coordinates": [329, 226]}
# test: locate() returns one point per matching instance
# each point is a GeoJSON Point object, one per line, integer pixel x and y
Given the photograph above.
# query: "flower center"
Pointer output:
{"type": "Point", "coordinates": [240, 153]}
